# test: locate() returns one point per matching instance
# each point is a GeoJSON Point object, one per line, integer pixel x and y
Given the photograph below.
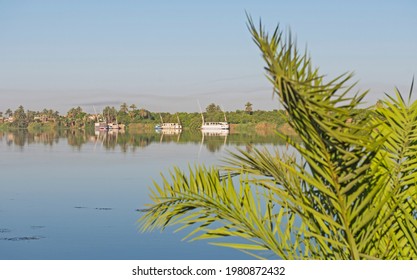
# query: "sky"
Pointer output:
{"type": "Point", "coordinates": [166, 56]}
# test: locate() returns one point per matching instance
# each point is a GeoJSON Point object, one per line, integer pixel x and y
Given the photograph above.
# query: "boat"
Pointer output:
{"type": "Point", "coordinates": [216, 126]}
{"type": "Point", "coordinates": [113, 125]}
{"type": "Point", "coordinates": [100, 126]}
{"type": "Point", "coordinates": [169, 126]}
{"type": "Point", "coordinates": [107, 126]}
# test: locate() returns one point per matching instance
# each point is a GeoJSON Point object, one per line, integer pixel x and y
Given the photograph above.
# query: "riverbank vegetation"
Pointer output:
{"type": "Point", "coordinates": [139, 120]}
{"type": "Point", "coordinates": [349, 191]}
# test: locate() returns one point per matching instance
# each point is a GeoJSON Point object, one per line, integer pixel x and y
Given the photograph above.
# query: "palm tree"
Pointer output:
{"type": "Point", "coordinates": [248, 108]}
{"type": "Point", "coordinates": [124, 108]}
{"type": "Point", "coordinates": [213, 108]}
{"type": "Point", "coordinates": [75, 117]}
{"type": "Point", "coordinates": [110, 113]}
{"type": "Point", "coordinates": [20, 119]}
{"type": "Point", "coordinates": [350, 192]}
{"type": "Point", "coordinates": [144, 114]}
{"type": "Point", "coordinates": [133, 111]}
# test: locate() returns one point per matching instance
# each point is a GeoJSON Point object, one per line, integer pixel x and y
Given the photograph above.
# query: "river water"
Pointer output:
{"type": "Point", "coordinates": [74, 195]}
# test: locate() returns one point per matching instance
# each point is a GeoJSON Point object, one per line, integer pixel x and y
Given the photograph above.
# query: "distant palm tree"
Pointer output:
{"type": "Point", "coordinates": [110, 113]}
{"type": "Point", "coordinates": [213, 108]}
{"type": "Point", "coordinates": [9, 112]}
{"type": "Point", "coordinates": [145, 114]}
{"type": "Point", "coordinates": [124, 108]}
{"type": "Point", "coordinates": [248, 108]}
{"type": "Point", "coordinates": [133, 111]}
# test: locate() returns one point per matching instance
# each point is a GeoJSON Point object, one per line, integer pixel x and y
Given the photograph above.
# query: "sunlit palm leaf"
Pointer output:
{"type": "Point", "coordinates": [350, 192]}
{"type": "Point", "coordinates": [202, 199]}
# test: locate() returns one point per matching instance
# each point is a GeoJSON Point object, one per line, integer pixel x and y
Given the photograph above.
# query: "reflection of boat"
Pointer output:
{"type": "Point", "coordinates": [169, 131]}
{"type": "Point", "coordinates": [105, 132]}
{"type": "Point", "coordinates": [213, 138]}
{"type": "Point", "coordinates": [215, 132]}
{"type": "Point", "coordinates": [169, 126]}
{"type": "Point", "coordinates": [169, 135]}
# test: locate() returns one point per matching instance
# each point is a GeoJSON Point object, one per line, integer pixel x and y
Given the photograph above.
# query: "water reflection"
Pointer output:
{"type": "Point", "coordinates": [110, 140]}
{"type": "Point", "coordinates": [22, 137]}
{"type": "Point", "coordinates": [73, 189]}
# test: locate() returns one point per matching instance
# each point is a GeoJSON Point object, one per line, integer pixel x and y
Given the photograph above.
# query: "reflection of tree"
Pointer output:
{"type": "Point", "coordinates": [142, 140]}
{"type": "Point", "coordinates": [110, 140]}
{"type": "Point", "coordinates": [18, 138]}
{"type": "Point", "coordinates": [213, 145]}
{"type": "Point", "coordinates": [46, 138]}
{"type": "Point", "coordinates": [249, 147]}
{"type": "Point", "coordinates": [76, 138]}
{"type": "Point", "coordinates": [125, 141]}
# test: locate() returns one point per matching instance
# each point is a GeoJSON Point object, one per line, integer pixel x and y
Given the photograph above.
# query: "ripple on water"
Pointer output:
{"type": "Point", "coordinates": [22, 238]}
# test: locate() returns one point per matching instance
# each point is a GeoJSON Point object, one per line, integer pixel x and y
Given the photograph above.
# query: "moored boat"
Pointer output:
{"type": "Point", "coordinates": [100, 126]}
{"type": "Point", "coordinates": [214, 125]}
{"type": "Point", "coordinates": [168, 126]}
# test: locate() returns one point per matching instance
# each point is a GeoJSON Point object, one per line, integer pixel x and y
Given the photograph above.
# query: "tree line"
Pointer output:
{"type": "Point", "coordinates": [77, 118]}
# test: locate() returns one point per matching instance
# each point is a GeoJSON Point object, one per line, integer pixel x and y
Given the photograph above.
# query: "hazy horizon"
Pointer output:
{"type": "Point", "coordinates": [167, 55]}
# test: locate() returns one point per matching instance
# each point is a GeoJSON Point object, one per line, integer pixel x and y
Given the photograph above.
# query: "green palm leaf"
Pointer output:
{"type": "Point", "coordinates": [349, 191]}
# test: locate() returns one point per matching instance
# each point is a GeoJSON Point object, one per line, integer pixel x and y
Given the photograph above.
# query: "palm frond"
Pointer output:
{"type": "Point", "coordinates": [399, 157]}
{"type": "Point", "coordinates": [203, 198]}
{"type": "Point", "coordinates": [349, 192]}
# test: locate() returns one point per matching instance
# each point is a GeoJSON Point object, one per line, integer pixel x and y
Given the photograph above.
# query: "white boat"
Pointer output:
{"type": "Point", "coordinates": [100, 126]}
{"type": "Point", "coordinates": [107, 126]}
{"type": "Point", "coordinates": [215, 126]}
{"type": "Point", "coordinates": [169, 126]}
{"type": "Point", "coordinates": [206, 126]}
{"type": "Point", "coordinates": [114, 126]}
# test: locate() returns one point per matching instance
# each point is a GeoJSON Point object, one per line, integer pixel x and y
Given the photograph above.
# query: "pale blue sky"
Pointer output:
{"type": "Point", "coordinates": [166, 55]}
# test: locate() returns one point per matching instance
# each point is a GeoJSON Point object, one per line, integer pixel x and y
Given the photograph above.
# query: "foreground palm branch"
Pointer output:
{"type": "Point", "coordinates": [350, 191]}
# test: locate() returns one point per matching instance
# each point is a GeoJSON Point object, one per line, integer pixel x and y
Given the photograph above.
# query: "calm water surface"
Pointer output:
{"type": "Point", "coordinates": [75, 195]}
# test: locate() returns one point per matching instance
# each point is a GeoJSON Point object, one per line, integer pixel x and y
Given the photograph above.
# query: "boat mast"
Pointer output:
{"type": "Point", "coordinates": [224, 113]}
{"type": "Point", "coordinates": [201, 111]}
{"type": "Point", "coordinates": [178, 118]}
{"type": "Point", "coordinates": [95, 112]}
